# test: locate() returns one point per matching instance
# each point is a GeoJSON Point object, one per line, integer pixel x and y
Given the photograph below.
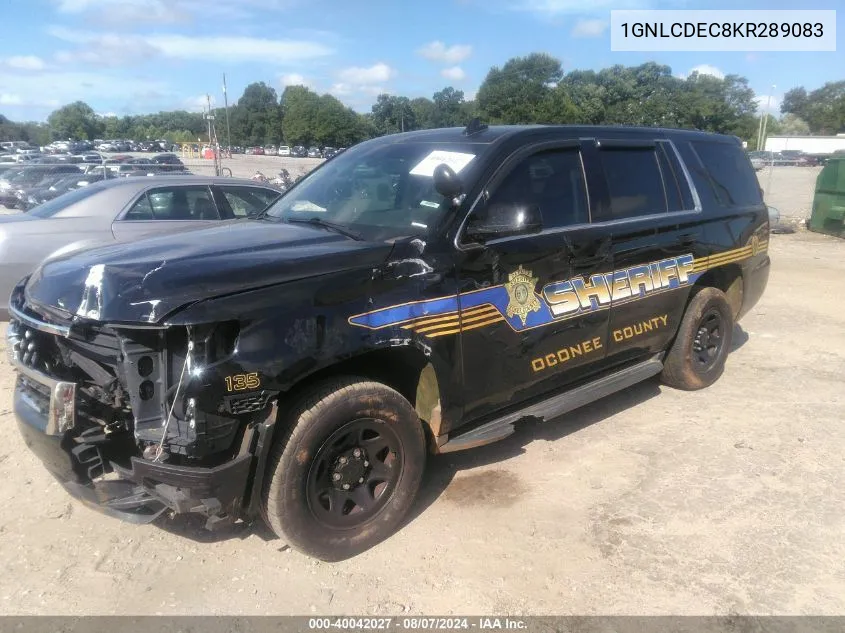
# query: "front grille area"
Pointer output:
{"type": "Point", "coordinates": [126, 385]}
{"type": "Point", "coordinates": [250, 403]}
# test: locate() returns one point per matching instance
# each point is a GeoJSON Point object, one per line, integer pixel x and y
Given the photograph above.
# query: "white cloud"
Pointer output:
{"type": "Point", "coordinates": [52, 88]}
{"type": "Point", "coordinates": [294, 79]}
{"type": "Point", "coordinates": [773, 103]}
{"type": "Point", "coordinates": [24, 62]}
{"type": "Point", "coordinates": [438, 51]}
{"type": "Point", "coordinates": [589, 28]}
{"type": "Point", "coordinates": [377, 73]}
{"type": "Point", "coordinates": [223, 49]}
{"type": "Point", "coordinates": [455, 73]}
{"type": "Point", "coordinates": [129, 12]}
{"type": "Point", "coordinates": [705, 69]}
{"type": "Point", "coordinates": [341, 89]}
{"type": "Point", "coordinates": [198, 103]}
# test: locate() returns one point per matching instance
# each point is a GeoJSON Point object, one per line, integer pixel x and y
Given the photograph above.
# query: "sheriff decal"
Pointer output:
{"type": "Point", "coordinates": [520, 289]}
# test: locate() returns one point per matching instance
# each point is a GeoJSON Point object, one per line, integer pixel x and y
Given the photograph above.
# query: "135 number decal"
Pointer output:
{"type": "Point", "coordinates": [243, 382]}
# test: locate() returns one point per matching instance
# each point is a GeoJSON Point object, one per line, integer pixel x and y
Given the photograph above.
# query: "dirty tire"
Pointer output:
{"type": "Point", "coordinates": [323, 430]}
{"type": "Point", "coordinates": [683, 368]}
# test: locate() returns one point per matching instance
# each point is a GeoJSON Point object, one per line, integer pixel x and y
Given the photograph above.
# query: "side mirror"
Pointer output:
{"type": "Point", "coordinates": [446, 182]}
{"type": "Point", "coordinates": [504, 220]}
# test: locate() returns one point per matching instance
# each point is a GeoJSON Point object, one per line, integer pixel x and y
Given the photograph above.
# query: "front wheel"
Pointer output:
{"type": "Point", "coordinates": [347, 471]}
{"type": "Point", "coordinates": [697, 357]}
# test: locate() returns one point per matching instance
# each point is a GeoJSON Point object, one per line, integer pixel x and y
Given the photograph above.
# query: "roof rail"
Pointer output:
{"type": "Point", "coordinates": [474, 127]}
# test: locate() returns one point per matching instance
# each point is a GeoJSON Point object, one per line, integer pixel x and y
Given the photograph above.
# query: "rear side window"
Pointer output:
{"type": "Point", "coordinates": [727, 170]}
{"type": "Point", "coordinates": [634, 181]}
{"type": "Point", "coordinates": [175, 203]}
{"type": "Point", "coordinates": [248, 201]}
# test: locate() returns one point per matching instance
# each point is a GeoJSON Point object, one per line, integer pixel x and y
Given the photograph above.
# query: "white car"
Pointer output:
{"type": "Point", "coordinates": [284, 150]}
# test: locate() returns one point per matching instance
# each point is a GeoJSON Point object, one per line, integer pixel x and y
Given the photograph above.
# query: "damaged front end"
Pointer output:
{"type": "Point", "coordinates": [131, 419]}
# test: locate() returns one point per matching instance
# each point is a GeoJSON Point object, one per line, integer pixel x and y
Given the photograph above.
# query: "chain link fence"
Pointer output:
{"type": "Point", "coordinates": [27, 181]}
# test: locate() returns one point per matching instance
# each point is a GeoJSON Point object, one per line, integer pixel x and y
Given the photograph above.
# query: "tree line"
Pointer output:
{"type": "Point", "coordinates": [530, 89]}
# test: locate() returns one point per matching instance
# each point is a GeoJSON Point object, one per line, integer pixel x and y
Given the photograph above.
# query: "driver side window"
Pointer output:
{"type": "Point", "coordinates": [552, 181]}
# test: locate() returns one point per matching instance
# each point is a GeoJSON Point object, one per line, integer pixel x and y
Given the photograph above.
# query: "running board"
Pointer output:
{"type": "Point", "coordinates": [557, 405]}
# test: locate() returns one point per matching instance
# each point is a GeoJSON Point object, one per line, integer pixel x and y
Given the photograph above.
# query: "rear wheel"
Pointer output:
{"type": "Point", "coordinates": [697, 357]}
{"type": "Point", "coordinates": [345, 475]}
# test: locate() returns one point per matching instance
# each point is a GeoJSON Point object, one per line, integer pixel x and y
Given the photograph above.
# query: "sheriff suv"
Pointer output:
{"type": "Point", "coordinates": [418, 294]}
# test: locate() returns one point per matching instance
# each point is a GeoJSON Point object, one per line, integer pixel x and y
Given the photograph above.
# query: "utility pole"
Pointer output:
{"type": "Point", "coordinates": [765, 120]}
{"type": "Point", "coordinates": [212, 137]}
{"type": "Point", "coordinates": [226, 105]}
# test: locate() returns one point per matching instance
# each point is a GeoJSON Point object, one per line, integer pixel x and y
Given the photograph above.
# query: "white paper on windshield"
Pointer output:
{"type": "Point", "coordinates": [306, 205]}
{"type": "Point", "coordinates": [456, 160]}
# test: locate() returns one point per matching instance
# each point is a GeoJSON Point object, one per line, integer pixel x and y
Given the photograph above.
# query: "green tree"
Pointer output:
{"type": "Point", "coordinates": [335, 124]}
{"type": "Point", "coordinates": [300, 119]}
{"type": "Point", "coordinates": [516, 92]}
{"type": "Point", "coordinates": [423, 110]}
{"type": "Point", "coordinates": [448, 108]}
{"type": "Point", "coordinates": [793, 125]}
{"type": "Point", "coordinates": [257, 117]}
{"type": "Point", "coordinates": [822, 109]}
{"type": "Point", "coordinates": [393, 114]}
{"type": "Point", "coordinates": [76, 121]}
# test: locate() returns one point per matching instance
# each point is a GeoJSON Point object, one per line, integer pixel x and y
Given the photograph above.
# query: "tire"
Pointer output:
{"type": "Point", "coordinates": [339, 433]}
{"type": "Point", "coordinates": [684, 367]}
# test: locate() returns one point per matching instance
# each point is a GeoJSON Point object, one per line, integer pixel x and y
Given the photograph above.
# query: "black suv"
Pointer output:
{"type": "Point", "coordinates": [419, 293]}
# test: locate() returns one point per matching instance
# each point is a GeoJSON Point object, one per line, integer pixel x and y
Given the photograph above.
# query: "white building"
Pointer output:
{"type": "Point", "coordinates": [807, 144]}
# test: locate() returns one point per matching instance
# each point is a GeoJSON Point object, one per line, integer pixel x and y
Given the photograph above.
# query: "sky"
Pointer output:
{"type": "Point", "coordinates": [137, 56]}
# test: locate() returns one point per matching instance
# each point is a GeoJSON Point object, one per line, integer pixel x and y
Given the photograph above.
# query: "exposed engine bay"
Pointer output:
{"type": "Point", "coordinates": [136, 405]}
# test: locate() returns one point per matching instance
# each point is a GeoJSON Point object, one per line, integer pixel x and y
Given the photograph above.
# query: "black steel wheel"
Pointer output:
{"type": "Point", "coordinates": [345, 468]}
{"type": "Point", "coordinates": [709, 339]}
{"type": "Point", "coordinates": [697, 356]}
{"type": "Point", "coordinates": [354, 472]}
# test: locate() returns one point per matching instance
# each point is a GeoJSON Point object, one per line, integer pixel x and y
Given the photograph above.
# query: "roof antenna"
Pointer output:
{"type": "Point", "coordinates": [474, 127]}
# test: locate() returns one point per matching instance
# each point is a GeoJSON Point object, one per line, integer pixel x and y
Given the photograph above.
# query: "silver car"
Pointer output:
{"type": "Point", "coordinates": [120, 210]}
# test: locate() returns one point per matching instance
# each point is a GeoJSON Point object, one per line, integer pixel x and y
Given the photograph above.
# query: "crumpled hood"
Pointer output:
{"type": "Point", "coordinates": [145, 280]}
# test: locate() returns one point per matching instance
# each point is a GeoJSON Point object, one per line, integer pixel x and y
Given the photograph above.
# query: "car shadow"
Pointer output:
{"type": "Point", "coordinates": [441, 469]}
{"type": "Point", "coordinates": [739, 338]}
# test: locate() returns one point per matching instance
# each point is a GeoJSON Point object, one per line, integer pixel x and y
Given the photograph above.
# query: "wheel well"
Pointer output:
{"type": "Point", "coordinates": [400, 368]}
{"type": "Point", "coordinates": [729, 280]}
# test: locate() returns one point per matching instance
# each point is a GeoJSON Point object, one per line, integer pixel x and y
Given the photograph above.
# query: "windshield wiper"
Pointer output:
{"type": "Point", "coordinates": [337, 228]}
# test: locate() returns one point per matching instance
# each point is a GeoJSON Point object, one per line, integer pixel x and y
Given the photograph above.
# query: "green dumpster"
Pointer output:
{"type": "Point", "coordinates": [829, 202]}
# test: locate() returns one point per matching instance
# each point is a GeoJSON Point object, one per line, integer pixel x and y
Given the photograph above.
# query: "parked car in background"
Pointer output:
{"type": "Point", "coordinates": [53, 187]}
{"type": "Point", "coordinates": [168, 162]}
{"type": "Point", "coordinates": [28, 176]}
{"type": "Point", "coordinates": [121, 210]}
{"type": "Point", "coordinates": [299, 152]}
{"type": "Point", "coordinates": [314, 152]}
{"type": "Point", "coordinates": [329, 152]}
{"type": "Point", "coordinates": [270, 150]}
{"type": "Point", "coordinates": [284, 150]}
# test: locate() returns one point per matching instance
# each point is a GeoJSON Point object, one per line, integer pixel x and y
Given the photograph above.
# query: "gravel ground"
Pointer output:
{"type": "Point", "coordinates": [652, 501]}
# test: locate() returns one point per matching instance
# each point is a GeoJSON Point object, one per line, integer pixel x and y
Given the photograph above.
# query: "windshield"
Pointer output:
{"type": "Point", "coordinates": [52, 207]}
{"type": "Point", "coordinates": [378, 190]}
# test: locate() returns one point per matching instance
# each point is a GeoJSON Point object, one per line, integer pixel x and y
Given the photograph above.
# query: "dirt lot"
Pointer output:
{"type": "Point", "coordinates": [653, 501]}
